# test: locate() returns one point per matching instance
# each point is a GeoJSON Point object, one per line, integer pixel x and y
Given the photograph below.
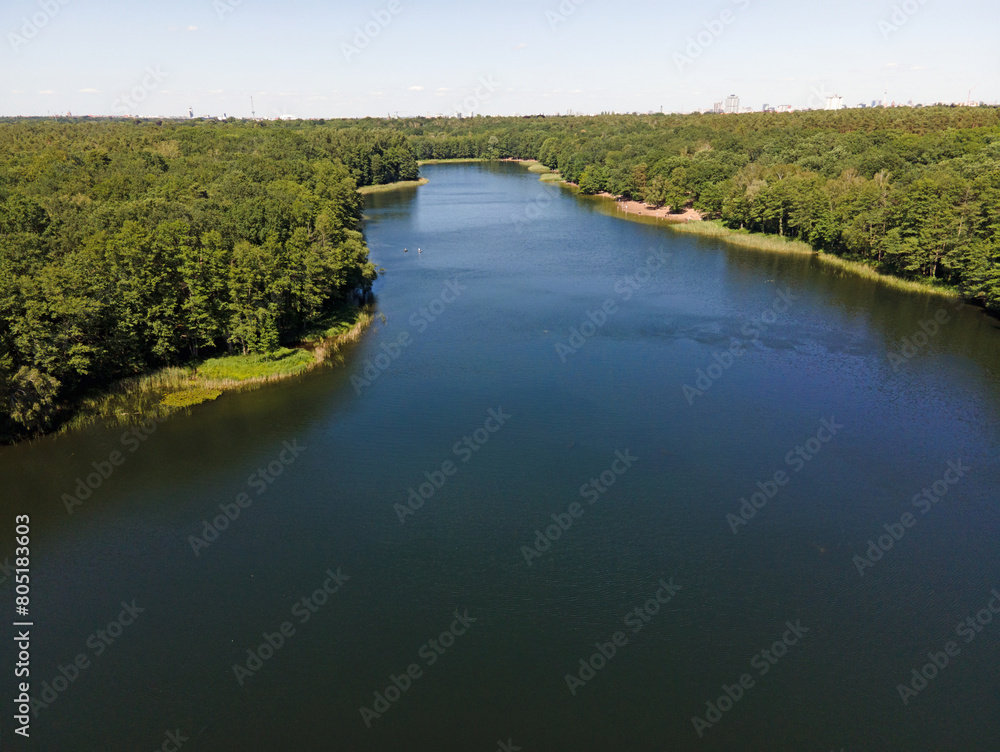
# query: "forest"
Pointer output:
{"type": "Point", "coordinates": [127, 246]}
{"type": "Point", "coordinates": [130, 245]}
{"type": "Point", "coordinates": [913, 192]}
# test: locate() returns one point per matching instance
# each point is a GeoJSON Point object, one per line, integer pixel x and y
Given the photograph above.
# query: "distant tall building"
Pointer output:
{"type": "Point", "coordinates": [191, 112]}
{"type": "Point", "coordinates": [732, 104]}
{"type": "Point", "coordinates": [717, 107]}
{"type": "Point", "coordinates": [835, 103]}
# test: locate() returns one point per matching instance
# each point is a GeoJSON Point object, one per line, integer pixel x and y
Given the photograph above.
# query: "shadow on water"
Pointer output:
{"type": "Point", "coordinates": [203, 442]}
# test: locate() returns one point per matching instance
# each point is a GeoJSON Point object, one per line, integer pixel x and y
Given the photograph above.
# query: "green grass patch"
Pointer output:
{"type": "Point", "coordinates": [160, 393]}
{"type": "Point", "coordinates": [423, 162]}
{"type": "Point", "coordinates": [862, 269]}
{"type": "Point", "coordinates": [190, 397]}
{"type": "Point", "coordinates": [334, 324]}
{"type": "Point", "coordinates": [283, 362]}
{"type": "Point", "coordinates": [539, 167]}
{"type": "Point", "coordinates": [367, 189]}
{"type": "Point", "coordinates": [774, 243]}
{"type": "Point", "coordinates": [551, 177]}
{"type": "Point", "coordinates": [715, 229]}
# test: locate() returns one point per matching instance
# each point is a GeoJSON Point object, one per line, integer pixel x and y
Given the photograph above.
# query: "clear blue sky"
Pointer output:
{"type": "Point", "coordinates": [95, 56]}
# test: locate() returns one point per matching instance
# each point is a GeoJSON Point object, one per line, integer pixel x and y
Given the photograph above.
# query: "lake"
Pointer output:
{"type": "Point", "coordinates": [590, 484]}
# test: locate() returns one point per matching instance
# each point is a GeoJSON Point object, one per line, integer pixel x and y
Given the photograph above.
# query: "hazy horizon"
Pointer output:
{"type": "Point", "coordinates": [425, 58]}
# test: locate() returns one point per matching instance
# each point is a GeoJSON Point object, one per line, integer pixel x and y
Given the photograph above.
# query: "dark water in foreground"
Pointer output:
{"type": "Point", "coordinates": [510, 268]}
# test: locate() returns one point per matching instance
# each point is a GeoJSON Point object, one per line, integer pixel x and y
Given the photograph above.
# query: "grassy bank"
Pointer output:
{"type": "Point", "coordinates": [422, 162]}
{"type": "Point", "coordinates": [775, 244]}
{"type": "Point", "coordinates": [715, 229]}
{"type": "Point", "coordinates": [164, 392]}
{"type": "Point", "coordinates": [367, 189]}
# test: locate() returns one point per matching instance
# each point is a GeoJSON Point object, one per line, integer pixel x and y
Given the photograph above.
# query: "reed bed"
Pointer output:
{"type": "Point", "coordinates": [368, 189]}
{"type": "Point", "coordinates": [772, 243]}
{"type": "Point", "coordinates": [163, 392]}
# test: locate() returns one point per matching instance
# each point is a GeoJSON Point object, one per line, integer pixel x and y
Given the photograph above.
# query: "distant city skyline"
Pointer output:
{"type": "Point", "coordinates": [430, 57]}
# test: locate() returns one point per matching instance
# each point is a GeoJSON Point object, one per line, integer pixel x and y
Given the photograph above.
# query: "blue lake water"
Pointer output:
{"type": "Point", "coordinates": [538, 458]}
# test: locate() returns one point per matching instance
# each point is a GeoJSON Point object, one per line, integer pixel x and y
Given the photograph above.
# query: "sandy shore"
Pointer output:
{"type": "Point", "coordinates": [636, 208]}
{"type": "Point", "coordinates": [644, 210]}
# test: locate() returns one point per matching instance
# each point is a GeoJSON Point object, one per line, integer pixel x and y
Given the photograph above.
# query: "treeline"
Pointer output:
{"type": "Point", "coordinates": [913, 191]}
{"type": "Point", "coordinates": [126, 246]}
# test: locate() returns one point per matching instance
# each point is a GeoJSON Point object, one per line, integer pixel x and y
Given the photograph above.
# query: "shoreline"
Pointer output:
{"type": "Point", "coordinates": [642, 209]}
{"type": "Point", "coordinates": [367, 190]}
{"type": "Point", "coordinates": [636, 211]}
{"type": "Point", "coordinates": [775, 244]}
{"type": "Point", "coordinates": [168, 391]}
{"type": "Point", "coordinates": [459, 160]}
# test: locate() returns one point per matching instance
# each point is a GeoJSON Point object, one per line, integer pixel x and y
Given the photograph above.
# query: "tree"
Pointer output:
{"type": "Point", "coordinates": [253, 324]}
{"type": "Point", "coordinates": [204, 304]}
{"type": "Point", "coordinates": [593, 180]}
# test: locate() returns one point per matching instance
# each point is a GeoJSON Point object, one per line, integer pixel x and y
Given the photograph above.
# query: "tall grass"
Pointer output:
{"type": "Point", "coordinates": [234, 368]}
{"type": "Point", "coordinates": [162, 392]}
{"type": "Point", "coordinates": [367, 189]}
{"type": "Point", "coordinates": [460, 160]}
{"type": "Point", "coordinates": [773, 243]}
{"type": "Point", "coordinates": [867, 271]}
{"type": "Point", "coordinates": [758, 241]}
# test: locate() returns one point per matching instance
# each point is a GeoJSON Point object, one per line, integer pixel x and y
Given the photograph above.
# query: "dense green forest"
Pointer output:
{"type": "Point", "coordinates": [126, 245]}
{"type": "Point", "coordinates": [914, 192]}
{"type": "Point", "coordinates": [130, 245]}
